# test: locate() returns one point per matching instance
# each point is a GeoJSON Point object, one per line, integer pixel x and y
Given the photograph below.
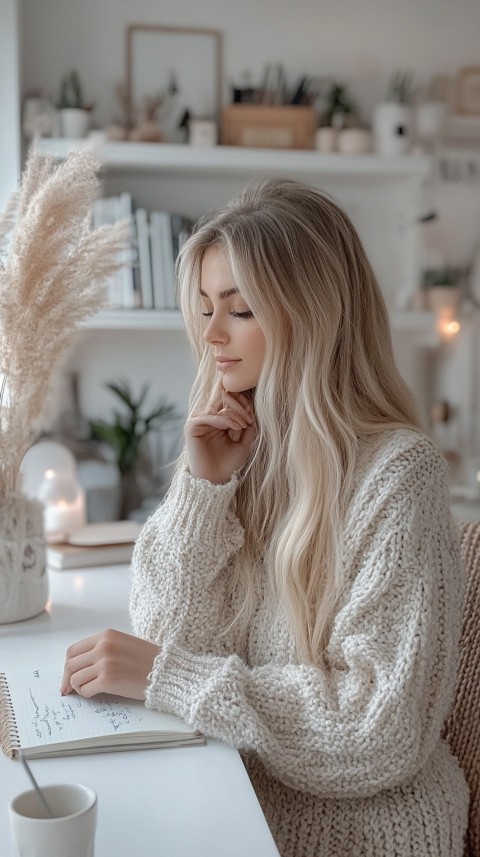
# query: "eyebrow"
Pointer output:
{"type": "Point", "coordinates": [222, 295]}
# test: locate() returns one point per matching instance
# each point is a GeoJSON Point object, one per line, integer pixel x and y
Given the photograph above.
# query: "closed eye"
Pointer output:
{"type": "Point", "coordinates": [246, 314]}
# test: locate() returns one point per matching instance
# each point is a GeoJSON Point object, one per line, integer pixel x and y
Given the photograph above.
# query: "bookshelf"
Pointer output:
{"type": "Point", "coordinates": [384, 197]}
{"type": "Point", "coordinates": [195, 179]}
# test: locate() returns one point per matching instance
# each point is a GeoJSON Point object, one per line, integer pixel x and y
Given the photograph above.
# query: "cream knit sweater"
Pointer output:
{"type": "Point", "coordinates": [347, 761]}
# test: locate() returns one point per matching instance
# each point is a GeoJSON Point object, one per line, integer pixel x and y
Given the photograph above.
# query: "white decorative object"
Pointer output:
{"type": "Point", "coordinates": [202, 132]}
{"type": "Point", "coordinates": [23, 577]}
{"type": "Point", "coordinates": [354, 141]}
{"type": "Point", "coordinates": [392, 128]}
{"type": "Point", "coordinates": [39, 118]}
{"type": "Point", "coordinates": [326, 139]}
{"type": "Point", "coordinates": [42, 456]}
{"type": "Point", "coordinates": [75, 122]}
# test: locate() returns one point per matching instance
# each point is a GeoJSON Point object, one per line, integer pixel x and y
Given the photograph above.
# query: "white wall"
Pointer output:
{"type": "Point", "coordinates": [9, 100]}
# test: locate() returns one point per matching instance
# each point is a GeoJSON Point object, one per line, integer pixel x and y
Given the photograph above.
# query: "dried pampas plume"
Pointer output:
{"type": "Point", "coordinates": [53, 273]}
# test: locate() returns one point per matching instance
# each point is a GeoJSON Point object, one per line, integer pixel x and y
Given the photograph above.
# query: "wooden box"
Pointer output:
{"type": "Point", "coordinates": [259, 126]}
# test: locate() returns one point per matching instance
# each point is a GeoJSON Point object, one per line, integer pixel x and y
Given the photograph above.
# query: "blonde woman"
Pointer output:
{"type": "Point", "coordinates": [298, 593]}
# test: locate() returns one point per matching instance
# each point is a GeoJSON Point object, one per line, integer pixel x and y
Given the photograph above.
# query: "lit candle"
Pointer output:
{"type": "Point", "coordinates": [64, 502]}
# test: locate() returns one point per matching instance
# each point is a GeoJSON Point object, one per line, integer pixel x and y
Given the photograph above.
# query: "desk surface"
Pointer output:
{"type": "Point", "coordinates": [151, 803]}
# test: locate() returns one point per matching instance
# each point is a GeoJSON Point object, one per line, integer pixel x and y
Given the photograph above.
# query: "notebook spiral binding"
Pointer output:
{"type": "Point", "coordinates": [9, 737]}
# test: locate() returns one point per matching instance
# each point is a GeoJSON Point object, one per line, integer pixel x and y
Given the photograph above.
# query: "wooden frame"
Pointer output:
{"type": "Point", "coordinates": [468, 91]}
{"type": "Point", "coordinates": [184, 32]}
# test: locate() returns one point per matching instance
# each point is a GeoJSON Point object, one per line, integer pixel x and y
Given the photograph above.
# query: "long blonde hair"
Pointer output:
{"type": "Point", "coordinates": [329, 379]}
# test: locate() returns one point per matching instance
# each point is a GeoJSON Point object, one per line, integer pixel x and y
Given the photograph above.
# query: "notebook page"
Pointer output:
{"type": "Point", "coordinates": [45, 717]}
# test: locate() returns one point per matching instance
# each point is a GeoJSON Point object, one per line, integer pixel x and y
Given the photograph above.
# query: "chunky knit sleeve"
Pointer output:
{"type": "Point", "coordinates": [371, 720]}
{"type": "Point", "coordinates": [180, 562]}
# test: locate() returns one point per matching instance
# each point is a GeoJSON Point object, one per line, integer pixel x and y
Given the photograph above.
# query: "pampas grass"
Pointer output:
{"type": "Point", "coordinates": [53, 273]}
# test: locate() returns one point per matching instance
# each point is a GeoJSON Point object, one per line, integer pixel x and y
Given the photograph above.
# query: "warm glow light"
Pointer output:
{"type": "Point", "coordinates": [452, 327]}
{"type": "Point", "coordinates": [49, 474]}
{"type": "Point", "coordinates": [448, 326]}
{"type": "Point", "coordinates": [78, 582]}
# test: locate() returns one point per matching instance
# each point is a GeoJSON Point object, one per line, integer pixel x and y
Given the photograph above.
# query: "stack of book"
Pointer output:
{"type": "Point", "coordinates": [147, 280]}
{"type": "Point", "coordinates": [110, 543]}
{"type": "Point", "coordinates": [160, 237]}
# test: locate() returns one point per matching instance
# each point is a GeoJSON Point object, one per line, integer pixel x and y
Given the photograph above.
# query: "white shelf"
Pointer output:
{"type": "Point", "coordinates": [135, 319]}
{"type": "Point", "coordinates": [232, 159]}
{"type": "Point", "coordinates": [422, 323]}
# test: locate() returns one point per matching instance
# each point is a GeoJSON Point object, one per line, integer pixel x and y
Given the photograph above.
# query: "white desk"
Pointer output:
{"type": "Point", "coordinates": [188, 802]}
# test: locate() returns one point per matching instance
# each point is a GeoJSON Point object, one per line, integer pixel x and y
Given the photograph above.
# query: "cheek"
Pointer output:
{"type": "Point", "coordinates": [257, 346]}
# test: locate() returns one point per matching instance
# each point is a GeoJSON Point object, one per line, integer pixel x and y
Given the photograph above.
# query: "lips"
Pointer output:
{"type": "Point", "coordinates": [225, 363]}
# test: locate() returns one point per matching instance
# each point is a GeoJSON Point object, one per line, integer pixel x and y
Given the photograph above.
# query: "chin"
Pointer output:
{"type": "Point", "coordinates": [237, 386]}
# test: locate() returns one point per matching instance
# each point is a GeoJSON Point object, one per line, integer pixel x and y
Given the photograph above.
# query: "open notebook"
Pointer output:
{"type": "Point", "coordinates": [36, 720]}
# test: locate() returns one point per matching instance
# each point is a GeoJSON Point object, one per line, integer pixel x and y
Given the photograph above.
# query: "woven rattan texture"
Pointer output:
{"type": "Point", "coordinates": [463, 727]}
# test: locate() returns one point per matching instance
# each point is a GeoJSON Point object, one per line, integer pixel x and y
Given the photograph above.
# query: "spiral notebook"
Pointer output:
{"type": "Point", "coordinates": [37, 721]}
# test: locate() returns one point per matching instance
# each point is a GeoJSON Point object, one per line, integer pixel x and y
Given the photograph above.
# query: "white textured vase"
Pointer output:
{"type": "Point", "coordinates": [23, 575]}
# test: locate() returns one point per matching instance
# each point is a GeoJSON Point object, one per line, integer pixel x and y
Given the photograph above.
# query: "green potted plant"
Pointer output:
{"type": "Point", "coordinates": [392, 118]}
{"type": "Point", "coordinates": [74, 110]}
{"type": "Point", "coordinates": [126, 435]}
{"type": "Point", "coordinates": [338, 108]}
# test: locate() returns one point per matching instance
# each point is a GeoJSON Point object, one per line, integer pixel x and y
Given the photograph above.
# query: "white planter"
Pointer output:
{"type": "Point", "coordinates": [202, 132]}
{"type": "Point", "coordinates": [354, 141]}
{"type": "Point", "coordinates": [392, 128]}
{"type": "Point", "coordinates": [23, 575]}
{"type": "Point", "coordinates": [430, 122]}
{"type": "Point", "coordinates": [326, 139]}
{"type": "Point", "coordinates": [444, 300]}
{"type": "Point", "coordinates": [74, 122]}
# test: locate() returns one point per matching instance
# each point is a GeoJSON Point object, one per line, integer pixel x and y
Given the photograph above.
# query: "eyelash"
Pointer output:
{"type": "Point", "coordinates": [247, 314]}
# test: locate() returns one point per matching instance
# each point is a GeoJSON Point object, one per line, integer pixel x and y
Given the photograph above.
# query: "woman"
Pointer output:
{"type": "Point", "coordinates": [298, 593]}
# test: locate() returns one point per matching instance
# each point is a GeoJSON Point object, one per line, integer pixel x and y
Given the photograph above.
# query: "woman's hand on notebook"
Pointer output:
{"type": "Point", "coordinates": [109, 662]}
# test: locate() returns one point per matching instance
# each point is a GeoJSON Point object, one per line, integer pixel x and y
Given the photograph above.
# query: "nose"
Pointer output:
{"type": "Point", "coordinates": [214, 332]}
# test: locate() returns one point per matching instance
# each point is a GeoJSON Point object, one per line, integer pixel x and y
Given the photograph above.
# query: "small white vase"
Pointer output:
{"type": "Point", "coordinates": [74, 122]}
{"type": "Point", "coordinates": [23, 575]}
{"type": "Point", "coordinates": [392, 128]}
{"type": "Point", "coordinates": [326, 139]}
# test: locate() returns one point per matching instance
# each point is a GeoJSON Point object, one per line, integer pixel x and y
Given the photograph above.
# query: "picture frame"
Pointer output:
{"type": "Point", "coordinates": [193, 56]}
{"type": "Point", "coordinates": [468, 91]}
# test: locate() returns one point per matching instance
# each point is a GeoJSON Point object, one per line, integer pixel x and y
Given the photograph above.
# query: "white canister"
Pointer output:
{"type": "Point", "coordinates": [354, 141]}
{"type": "Point", "coordinates": [326, 139]}
{"type": "Point", "coordinates": [74, 122]}
{"type": "Point", "coordinates": [392, 128]}
{"type": "Point", "coordinates": [202, 132]}
{"type": "Point", "coordinates": [430, 122]}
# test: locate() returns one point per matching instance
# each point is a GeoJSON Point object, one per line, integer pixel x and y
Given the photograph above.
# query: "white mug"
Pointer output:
{"type": "Point", "coordinates": [71, 831]}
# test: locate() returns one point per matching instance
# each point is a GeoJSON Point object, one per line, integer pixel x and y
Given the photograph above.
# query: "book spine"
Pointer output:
{"type": "Point", "coordinates": [128, 257]}
{"type": "Point", "coordinates": [9, 738]}
{"type": "Point", "coordinates": [158, 269]}
{"type": "Point", "coordinates": [166, 238]}
{"type": "Point", "coordinates": [143, 243]}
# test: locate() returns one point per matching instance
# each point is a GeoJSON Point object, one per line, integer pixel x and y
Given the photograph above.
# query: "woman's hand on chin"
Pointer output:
{"type": "Point", "coordinates": [109, 662]}
{"type": "Point", "coordinates": [218, 441]}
